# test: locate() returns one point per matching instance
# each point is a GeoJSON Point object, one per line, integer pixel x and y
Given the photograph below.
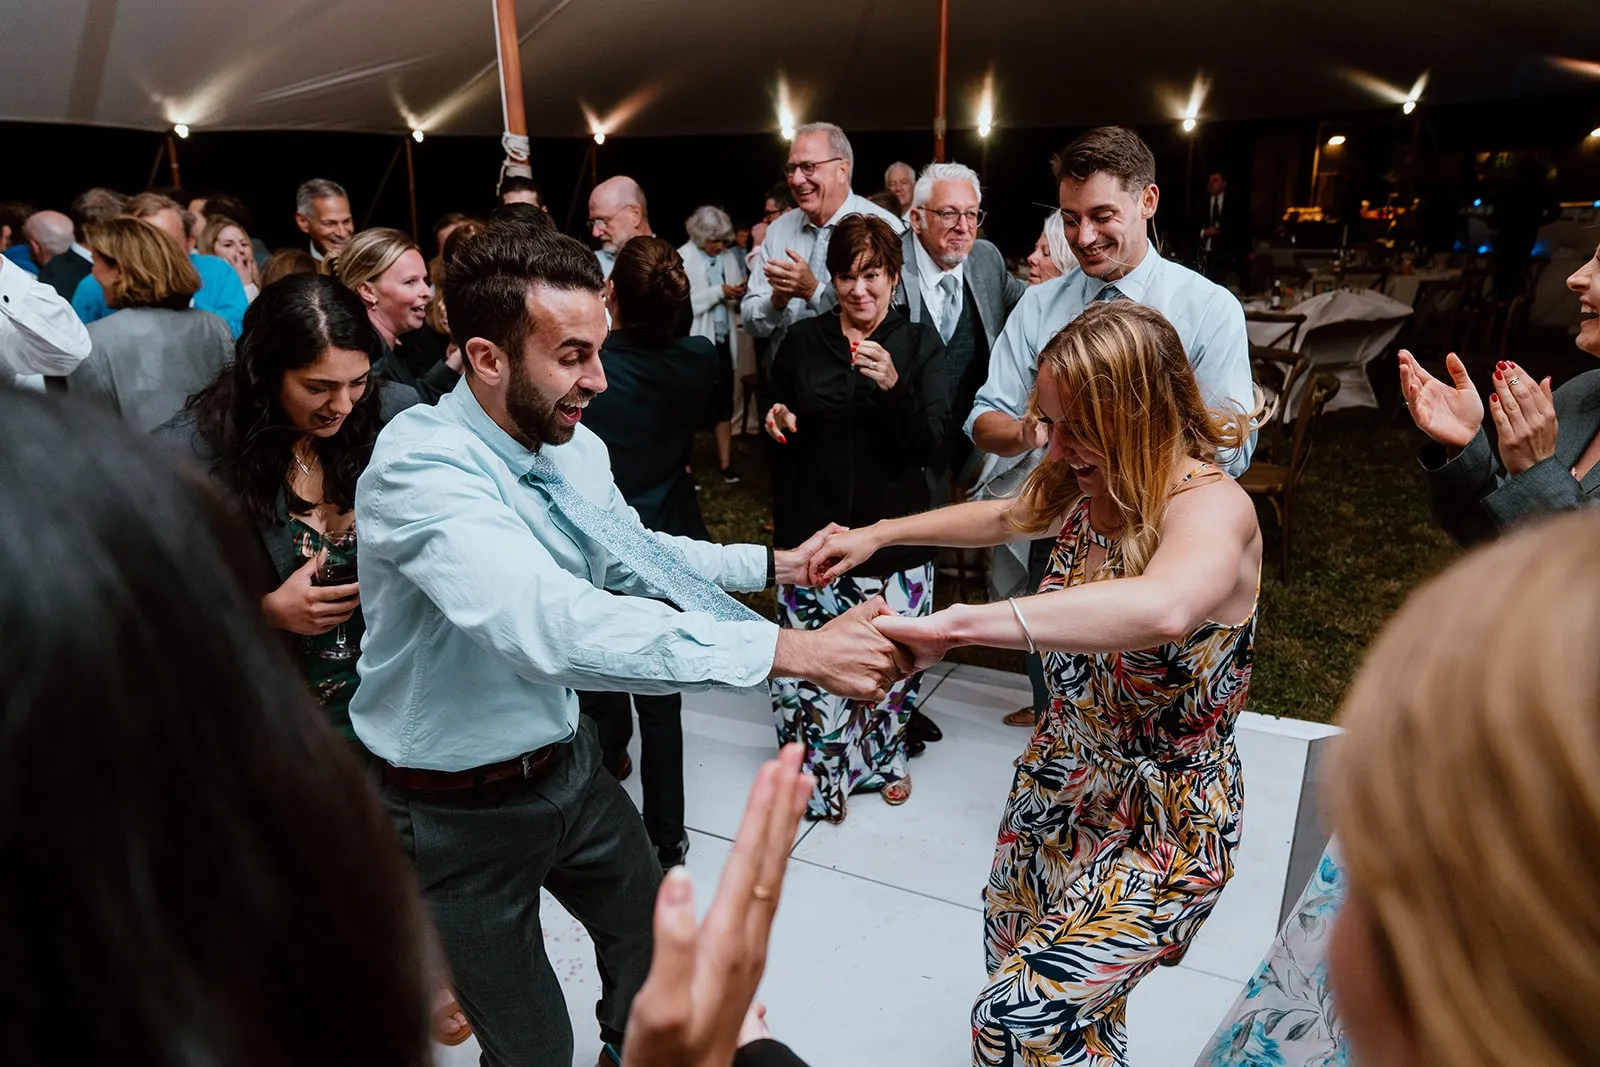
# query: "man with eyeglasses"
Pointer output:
{"type": "Point", "coordinates": [791, 283]}
{"type": "Point", "coordinates": [617, 214]}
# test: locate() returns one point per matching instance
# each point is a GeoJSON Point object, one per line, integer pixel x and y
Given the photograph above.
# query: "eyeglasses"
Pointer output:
{"type": "Point", "coordinates": [605, 220]}
{"type": "Point", "coordinates": [809, 168]}
{"type": "Point", "coordinates": [949, 216]}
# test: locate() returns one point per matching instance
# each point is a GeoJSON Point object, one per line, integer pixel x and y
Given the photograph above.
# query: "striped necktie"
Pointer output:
{"type": "Point", "coordinates": [1110, 292]}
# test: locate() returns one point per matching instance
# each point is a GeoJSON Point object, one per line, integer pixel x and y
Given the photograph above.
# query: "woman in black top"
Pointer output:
{"type": "Point", "coordinates": [858, 406]}
{"type": "Point", "coordinates": [659, 390]}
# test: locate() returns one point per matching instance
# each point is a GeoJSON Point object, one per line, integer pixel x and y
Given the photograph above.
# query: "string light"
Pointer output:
{"type": "Point", "coordinates": [416, 135]}
{"type": "Point", "coordinates": [1595, 133]}
{"type": "Point", "coordinates": [182, 130]}
{"type": "Point", "coordinates": [1189, 124]}
{"type": "Point", "coordinates": [1408, 107]}
{"type": "Point", "coordinates": [599, 137]}
{"type": "Point", "coordinates": [1336, 140]}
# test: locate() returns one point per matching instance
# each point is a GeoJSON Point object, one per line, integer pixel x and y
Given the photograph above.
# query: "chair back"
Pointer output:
{"type": "Point", "coordinates": [1318, 392]}
{"type": "Point", "coordinates": [1291, 321]}
{"type": "Point", "coordinates": [1277, 371]}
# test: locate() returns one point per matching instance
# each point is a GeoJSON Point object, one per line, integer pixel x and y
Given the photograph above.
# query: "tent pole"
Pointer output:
{"type": "Point", "coordinates": [382, 185]}
{"type": "Point", "coordinates": [155, 164]}
{"type": "Point", "coordinates": [411, 187]}
{"type": "Point", "coordinates": [939, 124]}
{"type": "Point", "coordinates": [508, 53]}
{"type": "Point", "coordinates": [172, 158]}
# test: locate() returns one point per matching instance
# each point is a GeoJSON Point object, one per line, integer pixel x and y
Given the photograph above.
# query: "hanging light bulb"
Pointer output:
{"type": "Point", "coordinates": [1189, 124]}
{"type": "Point", "coordinates": [182, 130]}
{"type": "Point", "coordinates": [416, 135]}
{"type": "Point", "coordinates": [599, 137]}
{"type": "Point", "coordinates": [1408, 107]}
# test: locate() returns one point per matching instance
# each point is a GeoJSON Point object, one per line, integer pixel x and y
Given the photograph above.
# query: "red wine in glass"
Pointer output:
{"type": "Point", "coordinates": [338, 567]}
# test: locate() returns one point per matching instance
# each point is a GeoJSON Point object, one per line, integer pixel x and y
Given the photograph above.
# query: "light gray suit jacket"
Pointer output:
{"type": "Point", "coordinates": [147, 361]}
{"type": "Point", "coordinates": [994, 290]}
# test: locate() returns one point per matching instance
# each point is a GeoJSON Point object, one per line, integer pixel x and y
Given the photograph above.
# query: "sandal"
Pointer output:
{"type": "Point", "coordinates": [442, 1015]}
{"type": "Point", "coordinates": [1022, 717]}
{"type": "Point", "coordinates": [897, 793]}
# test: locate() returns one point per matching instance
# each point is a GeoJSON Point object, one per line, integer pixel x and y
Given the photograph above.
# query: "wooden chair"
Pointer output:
{"type": "Point", "coordinates": [1291, 321]}
{"type": "Point", "coordinates": [1277, 371]}
{"type": "Point", "coordinates": [748, 383]}
{"type": "Point", "coordinates": [1277, 482]}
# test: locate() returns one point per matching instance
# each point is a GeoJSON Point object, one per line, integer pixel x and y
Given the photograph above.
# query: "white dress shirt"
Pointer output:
{"type": "Point", "coordinates": [795, 232]}
{"type": "Point", "coordinates": [39, 332]}
{"type": "Point", "coordinates": [929, 275]}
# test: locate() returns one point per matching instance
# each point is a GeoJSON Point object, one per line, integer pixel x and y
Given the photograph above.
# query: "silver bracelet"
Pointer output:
{"type": "Point", "coordinates": [1033, 649]}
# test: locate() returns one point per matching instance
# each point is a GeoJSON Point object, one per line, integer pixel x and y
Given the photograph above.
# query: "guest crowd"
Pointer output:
{"type": "Point", "coordinates": [341, 547]}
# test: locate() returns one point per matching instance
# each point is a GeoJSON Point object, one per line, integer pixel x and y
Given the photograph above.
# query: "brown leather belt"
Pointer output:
{"type": "Point", "coordinates": [527, 765]}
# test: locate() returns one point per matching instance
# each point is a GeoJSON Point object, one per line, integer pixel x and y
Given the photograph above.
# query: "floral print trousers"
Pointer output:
{"type": "Point", "coordinates": [852, 746]}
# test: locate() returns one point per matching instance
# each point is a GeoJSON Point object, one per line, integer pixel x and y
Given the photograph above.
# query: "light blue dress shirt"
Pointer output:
{"type": "Point", "coordinates": [485, 608]}
{"type": "Point", "coordinates": [1208, 318]}
{"type": "Point", "coordinates": [221, 293]}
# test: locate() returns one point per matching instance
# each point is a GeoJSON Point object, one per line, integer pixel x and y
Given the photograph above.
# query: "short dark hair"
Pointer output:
{"type": "Point", "coordinates": [176, 910]}
{"type": "Point", "coordinates": [1114, 150]}
{"type": "Point", "coordinates": [518, 184]}
{"type": "Point", "coordinates": [868, 236]}
{"type": "Point", "coordinates": [449, 218]}
{"type": "Point", "coordinates": [489, 276]}
{"type": "Point", "coordinates": [526, 214]}
{"type": "Point", "coordinates": [781, 195]}
{"type": "Point", "coordinates": [231, 206]}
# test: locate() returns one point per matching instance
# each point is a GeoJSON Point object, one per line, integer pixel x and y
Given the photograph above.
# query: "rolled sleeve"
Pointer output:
{"type": "Point", "coordinates": [442, 524]}
{"type": "Point", "coordinates": [1220, 356]}
{"type": "Point", "coordinates": [756, 312]}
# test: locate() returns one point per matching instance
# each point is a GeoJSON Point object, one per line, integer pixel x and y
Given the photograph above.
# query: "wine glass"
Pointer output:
{"type": "Point", "coordinates": [338, 567]}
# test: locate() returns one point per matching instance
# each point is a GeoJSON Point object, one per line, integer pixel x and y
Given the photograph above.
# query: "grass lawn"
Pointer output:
{"type": "Point", "coordinates": [1363, 539]}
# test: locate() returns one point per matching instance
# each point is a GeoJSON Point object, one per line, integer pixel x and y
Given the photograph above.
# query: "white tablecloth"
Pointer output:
{"type": "Point", "coordinates": [1344, 331]}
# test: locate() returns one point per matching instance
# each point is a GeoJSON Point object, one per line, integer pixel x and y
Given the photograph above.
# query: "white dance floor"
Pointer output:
{"type": "Point", "coordinates": [876, 953]}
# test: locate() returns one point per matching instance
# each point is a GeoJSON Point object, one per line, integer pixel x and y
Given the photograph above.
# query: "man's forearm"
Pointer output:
{"type": "Point", "coordinates": [790, 658]}
{"type": "Point", "coordinates": [999, 434]}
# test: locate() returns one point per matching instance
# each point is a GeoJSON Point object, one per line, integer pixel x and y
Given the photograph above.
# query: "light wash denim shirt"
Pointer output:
{"type": "Point", "coordinates": [485, 607]}
{"type": "Point", "coordinates": [1208, 318]}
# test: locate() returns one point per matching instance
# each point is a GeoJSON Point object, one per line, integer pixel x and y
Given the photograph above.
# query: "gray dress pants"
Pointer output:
{"type": "Point", "coordinates": [481, 856]}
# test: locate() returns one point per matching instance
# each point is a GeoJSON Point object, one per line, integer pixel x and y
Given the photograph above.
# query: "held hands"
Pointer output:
{"type": "Point", "coordinates": [791, 278]}
{"type": "Point", "coordinates": [732, 292]}
{"type": "Point", "coordinates": [780, 422]}
{"type": "Point", "coordinates": [795, 565]}
{"type": "Point", "coordinates": [841, 551]}
{"type": "Point", "coordinates": [871, 359]}
{"type": "Point", "coordinates": [1524, 418]}
{"type": "Point", "coordinates": [922, 639]}
{"type": "Point", "coordinates": [303, 607]}
{"type": "Point", "coordinates": [695, 1007]}
{"type": "Point", "coordinates": [848, 656]}
{"type": "Point", "coordinates": [1449, 414]}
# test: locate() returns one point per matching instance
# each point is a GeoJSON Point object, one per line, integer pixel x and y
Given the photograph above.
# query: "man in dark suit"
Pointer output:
{"type": "Point", "coordinates": [957, 283]}
{"type": "Point", "coordinates": [61, 265]}
{"type": "Point", "coordinates": [1225, 233]}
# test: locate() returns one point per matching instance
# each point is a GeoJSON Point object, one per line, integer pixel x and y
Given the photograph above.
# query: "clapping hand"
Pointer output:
{"type": "Point", "coordinates": [1524, 418]}
{"type": "Point", "coordinates": [791, 278]}
{"type": "Point", "coordinates": [697, 997]}
{"type": "Point", "coordinates": [1449, 414]}
{"type": "Point", "coordinates": [874, 362]}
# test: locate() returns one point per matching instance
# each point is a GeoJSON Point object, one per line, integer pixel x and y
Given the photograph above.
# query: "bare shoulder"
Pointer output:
{"type": "Point", "coordinates": [1214, 500]}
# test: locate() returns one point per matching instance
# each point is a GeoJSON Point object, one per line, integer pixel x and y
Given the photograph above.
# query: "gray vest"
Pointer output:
{"type": "Point", "coordinates": [966, 357]}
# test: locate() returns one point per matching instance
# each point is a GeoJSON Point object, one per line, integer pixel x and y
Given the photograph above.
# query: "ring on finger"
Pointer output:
{"type": "Point", "coordinates": [1513, 380]}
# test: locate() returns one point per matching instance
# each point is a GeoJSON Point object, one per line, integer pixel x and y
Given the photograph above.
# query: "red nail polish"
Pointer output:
{"type": "Point", "coordinates": [1501, 364]}
{"type": "Point", "coordinates": [1494, 398]}
{"type": "Point", "coordinates": [1498, 375]}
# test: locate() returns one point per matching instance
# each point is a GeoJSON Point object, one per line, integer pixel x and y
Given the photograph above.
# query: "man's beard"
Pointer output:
{"type": "Point", "coordinates": [535, 416]}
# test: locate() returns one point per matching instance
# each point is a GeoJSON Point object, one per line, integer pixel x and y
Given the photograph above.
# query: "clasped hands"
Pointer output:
{"type": "Point", "coordinates": [864, 652]}
{"type": "Point", "coordinates": [1521, 405]}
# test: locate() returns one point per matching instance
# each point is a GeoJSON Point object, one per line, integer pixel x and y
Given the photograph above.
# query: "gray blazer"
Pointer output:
{"type": "Point", "coordinates": [994, 290]}
{"type": "Point", "coordinates": [146, 362]}
{"type": "Point", "coordinates": [1475, 500]}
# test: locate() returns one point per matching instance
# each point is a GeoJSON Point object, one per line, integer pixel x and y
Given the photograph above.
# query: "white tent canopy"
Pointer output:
{"type": "Point", "coordinates": [659, 67]}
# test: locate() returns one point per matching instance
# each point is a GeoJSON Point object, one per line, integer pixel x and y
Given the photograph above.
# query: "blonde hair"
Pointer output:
{"type": "Point", "coordinates": [437, 319]}
{"type": "Point", "coordinates": [1466, 795]}
{"type": "Point", "coordinates": [368, 254]}
{"type": "Point", "coordinates": [153, 270]}
{"type": "Point", "coordinates": [1127, 393]}
{"type": "Point", "coordinates": [211, 232]}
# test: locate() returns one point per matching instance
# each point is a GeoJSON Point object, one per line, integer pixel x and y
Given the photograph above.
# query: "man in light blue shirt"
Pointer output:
{"type": "Point", "coordinates": [221, 291]}
{"type": "Point", "coordinates": [788, 280]}
{"type": "Point", "coordinates": [500, 570]}
{"type": "Point", "coordinates": [1108, 195]}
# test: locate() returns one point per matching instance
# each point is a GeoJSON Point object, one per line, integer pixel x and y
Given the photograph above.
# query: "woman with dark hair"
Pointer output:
{"type": "Point", "coordinates": [858, 406]}
{"type": "Point", "coordinates": [286, 430]}
{"type": "Point", "coordinates": [195, 870]}
{"type": "Point", "coordinates": [659, 390]}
